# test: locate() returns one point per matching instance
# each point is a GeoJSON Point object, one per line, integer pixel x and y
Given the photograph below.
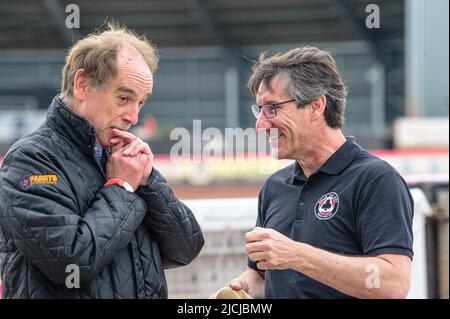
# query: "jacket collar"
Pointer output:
{"type": "Point", "coordinates": [335, 164]}
{"type": "Point", "coordinates": [71, 125]}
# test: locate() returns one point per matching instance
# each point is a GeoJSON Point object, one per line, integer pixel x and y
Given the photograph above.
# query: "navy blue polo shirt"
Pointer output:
{"type": "Point", "coordinates": [355, 204]}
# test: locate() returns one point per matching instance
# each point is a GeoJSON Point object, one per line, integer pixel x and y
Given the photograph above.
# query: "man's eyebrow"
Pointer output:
{"type": "Point", "coordinates": [268, 102]}
{"type": "Point", "coordinates": [132, 92]}
{"type": "Point", "coordinates": [127, 90]}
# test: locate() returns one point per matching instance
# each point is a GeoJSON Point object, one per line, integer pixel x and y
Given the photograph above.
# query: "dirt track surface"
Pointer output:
{"type": "Point", "coordinates": [216, 191]}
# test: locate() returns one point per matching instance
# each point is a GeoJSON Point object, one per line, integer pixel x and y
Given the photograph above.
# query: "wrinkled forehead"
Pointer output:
{"type": "Point", "coordinates": [133, 69]}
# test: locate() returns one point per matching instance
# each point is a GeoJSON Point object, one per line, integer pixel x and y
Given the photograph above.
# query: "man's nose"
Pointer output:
{"type": "Point", "coordinates": [263, 122]}
{"type": "Point", "coordinates": [132, 115]}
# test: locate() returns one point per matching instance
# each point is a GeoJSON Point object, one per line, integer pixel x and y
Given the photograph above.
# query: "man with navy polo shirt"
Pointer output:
{"type": "Point", "coordinates": [338, 222]}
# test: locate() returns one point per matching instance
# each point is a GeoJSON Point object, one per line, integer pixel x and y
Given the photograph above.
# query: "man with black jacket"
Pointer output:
{"type": "Point", "coordinates": [79, 197]}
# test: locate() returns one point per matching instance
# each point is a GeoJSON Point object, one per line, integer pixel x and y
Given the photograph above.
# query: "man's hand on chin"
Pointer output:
{"type": "Point", "coordinates": [133, 147]}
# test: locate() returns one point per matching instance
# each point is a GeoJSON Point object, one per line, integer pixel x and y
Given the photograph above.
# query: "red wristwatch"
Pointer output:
{"type": "Point", "coordinates": [120, 182]}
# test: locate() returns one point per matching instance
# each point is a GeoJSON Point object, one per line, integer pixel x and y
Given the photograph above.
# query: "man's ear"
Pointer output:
{"type": "Point", "coordinates": [318, 106]}
{"type": "Point", "coordinates": [80, 85]}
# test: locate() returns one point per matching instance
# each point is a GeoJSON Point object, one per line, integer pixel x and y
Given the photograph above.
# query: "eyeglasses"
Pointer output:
{"type": "Point", "coordinates": [268, 110]}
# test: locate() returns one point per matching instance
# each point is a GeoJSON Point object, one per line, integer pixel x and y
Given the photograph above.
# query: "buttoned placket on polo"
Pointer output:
{"type": "Point", "coordinates": [299, 179]}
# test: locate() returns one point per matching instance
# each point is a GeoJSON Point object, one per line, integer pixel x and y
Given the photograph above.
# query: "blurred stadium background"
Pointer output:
{"type": "Point", "coordinates": [398, 102]}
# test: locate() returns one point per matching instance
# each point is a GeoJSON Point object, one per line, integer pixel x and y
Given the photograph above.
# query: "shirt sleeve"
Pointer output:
{"type": "Point", "coordinates": [259, 223]}
{"type": "Point", "coordinates": [384, 212]}
{"type": "Point", "coordinates": [171, 222]}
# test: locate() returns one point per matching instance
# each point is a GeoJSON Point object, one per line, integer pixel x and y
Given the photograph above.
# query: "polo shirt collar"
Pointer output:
{"type": "Point", "coordinates": [297, 174]}
{"type": "Point", "coordinates": [342, 157]}
{"type": "Point", "coordinates": [335, 164]}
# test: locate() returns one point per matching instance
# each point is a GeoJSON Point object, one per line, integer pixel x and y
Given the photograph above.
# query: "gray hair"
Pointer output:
{"type": "Point", "coordinates": [96, 54]}
{"type": "Point", "coordinates": [308, 73]}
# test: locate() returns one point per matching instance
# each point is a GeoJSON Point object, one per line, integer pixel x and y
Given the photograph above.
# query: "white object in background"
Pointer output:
{"type": "Point", "coordinates": [225, 213]}
{"type": "Point", "coordinates": [15, 124]}
{"type": "Point", "coordinates": [421, 132]}
{"type": "Point", "coordinates": [419, 273]}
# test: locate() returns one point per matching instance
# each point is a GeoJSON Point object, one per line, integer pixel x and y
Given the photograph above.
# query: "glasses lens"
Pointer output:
{"type": "Point", "coordinates": [256, 110]}
{"type": "Point", "coordinates": [269, 110]}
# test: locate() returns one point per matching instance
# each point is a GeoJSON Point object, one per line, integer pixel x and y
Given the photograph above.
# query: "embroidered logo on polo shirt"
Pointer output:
{"type": "Point", "coordinates": [327, 206]}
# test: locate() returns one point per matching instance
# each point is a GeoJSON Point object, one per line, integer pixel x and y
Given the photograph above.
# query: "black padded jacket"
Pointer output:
{"type": "Point", "coordinates": [60, 228]}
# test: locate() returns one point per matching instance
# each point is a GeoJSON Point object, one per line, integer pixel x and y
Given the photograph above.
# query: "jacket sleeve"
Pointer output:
{"type": "Point", "coordinates": [174, 226]}
{"type": "Point", "coordinates": [46, 225]}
